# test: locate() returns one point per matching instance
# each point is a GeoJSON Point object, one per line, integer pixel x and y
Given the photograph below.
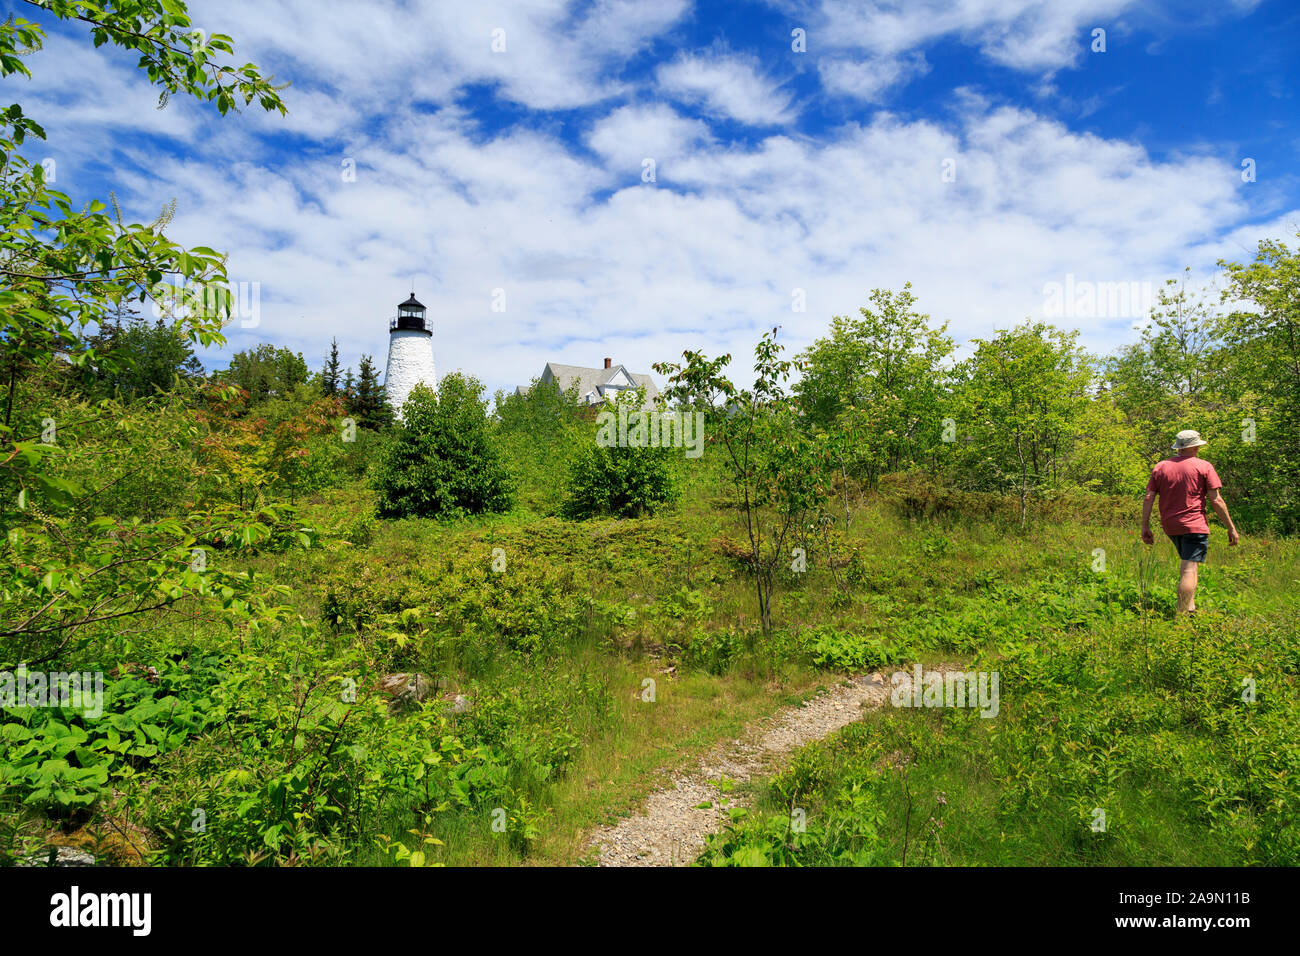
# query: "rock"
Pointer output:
{"type": "Point", "coordinates": [405, 689]}
{"type": "Point", "coordinates": [461, 705]}
{"type": "Point", "coordinates": [60, 856]}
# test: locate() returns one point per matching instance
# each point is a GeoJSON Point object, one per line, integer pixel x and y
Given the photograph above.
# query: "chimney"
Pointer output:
{"type": "Point", "coordinates": [609, 363]}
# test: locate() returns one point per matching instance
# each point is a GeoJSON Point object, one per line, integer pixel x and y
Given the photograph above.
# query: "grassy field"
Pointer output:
{"type": "Point", "coordinates": [551, 630]}
{"type": "Point", "coordinates": [1107, 704]}
{"type": "Point", "coordinates": [1123, 737]}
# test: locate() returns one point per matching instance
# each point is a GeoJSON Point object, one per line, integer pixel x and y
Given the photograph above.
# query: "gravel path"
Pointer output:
{"type": "Point", "coordinates": [673, 828]}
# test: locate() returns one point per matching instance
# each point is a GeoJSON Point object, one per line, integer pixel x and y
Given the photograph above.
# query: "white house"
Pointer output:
{"type": "Point", "coordinates": [596, 385]}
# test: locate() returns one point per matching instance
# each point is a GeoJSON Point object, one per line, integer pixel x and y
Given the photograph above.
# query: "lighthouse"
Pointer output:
{"type": "Point", "coordinates": [410, 354]}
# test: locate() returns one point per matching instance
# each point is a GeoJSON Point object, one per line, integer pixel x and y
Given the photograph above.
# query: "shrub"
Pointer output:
{"type": "Point", "coordinates": [714, 651]}
{"type": "Point", "coordinates": [622, 482]}
{"type": "Point", "coordinates": [834, 649]}
{"type": "Point", "coordinates": [442, 460]}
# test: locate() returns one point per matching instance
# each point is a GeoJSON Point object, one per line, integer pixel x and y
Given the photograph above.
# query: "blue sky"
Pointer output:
{"type": "Point", "coordinates": [514, 178]}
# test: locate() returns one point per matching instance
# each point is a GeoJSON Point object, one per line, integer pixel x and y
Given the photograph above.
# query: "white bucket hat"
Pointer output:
{"type": "Point", "coordinates": [1188, 439]}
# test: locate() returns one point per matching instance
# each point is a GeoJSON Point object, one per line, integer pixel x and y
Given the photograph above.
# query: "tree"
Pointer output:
{"type": "Point", "coordinates": [142, 359]}
{"type": "Point", "coordinates": [771, 459]}
{"type": "Point", "coordinates": [1264, 365]}
{"type": "Point", "coordinates": [1167, 380]}
{"type": "Point", "coordinates": [606, 478]}
{"type": "Point", "coordinates": [65, 271]}
{"type": "Point", "coordinates": [441, 459]}
{"type": "Point", "coordinates": [245, 456]}
{"type": "Point", "coordinates": [880, 379]}
{"type": "Point", "coordinates": [538, 432]}
{"type": "Point", "coordinates": [329, 376]}
{"type": "Point", "coordinates": [1021, 396]}
{"type": "Point", "coordinates": [266, 372]}
{"type": "Point", "coordinates": [368, 403]}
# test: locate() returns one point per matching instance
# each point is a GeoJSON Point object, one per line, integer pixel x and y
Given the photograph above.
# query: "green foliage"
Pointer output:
{"type": "Point", "coordinates": [366, 399]}
{"type": "Point", "coordinates": [1174, 729]}
{"type": "Point", "coordinates": [1168, 377]}
{"type": "Point", "coordinates": [538, 433]}
{"type": "Point", "coordinates": [879, 382]}
{"type": "Point", "coordinates": [141, 522]}
{"type": "Point", "coordinates": [442, 460]}
{"type": "Point", "coordinates": [457, 612]}
{"type": "Point", "coordinates": [772, 465]}
{"type": "Point", "coordinates": [1263, 378]}
{"type": "Point", "coordinates": [302, 764]}
{"type": "Point", "coordinates": [714, 650]}
{"type": "Point", "coordinates": [331, 374]}
{"type": "Point", "coordinates": [266, 372]}
{"type": "Point", "coordinates": [1021, 394]}
{"type": "Point", "coordinates": [608, 479]}
{"type": "Point", "coordinates": [62, 760]}
{"type": "Point", "coordinates": [144, 359]}
{"type": "Point", "coordinates": [834, 649]}
{"type": "Point", "coordinates": [65, 272]}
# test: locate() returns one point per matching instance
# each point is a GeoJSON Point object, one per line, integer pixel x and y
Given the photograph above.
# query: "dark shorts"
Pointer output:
{"type": "Point", "coordinates": [1191, 547]}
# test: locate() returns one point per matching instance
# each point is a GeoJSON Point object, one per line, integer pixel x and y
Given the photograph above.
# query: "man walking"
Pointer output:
{"type": "Point", "coordinates": [1185, 483]}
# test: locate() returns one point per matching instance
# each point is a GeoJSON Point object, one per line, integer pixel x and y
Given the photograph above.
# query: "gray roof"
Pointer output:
{"type": "Point", "coordinates": [589, 380]}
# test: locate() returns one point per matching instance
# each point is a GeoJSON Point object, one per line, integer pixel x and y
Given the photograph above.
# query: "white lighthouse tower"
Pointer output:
{"type": "Point", "coordinates": [410, 354]}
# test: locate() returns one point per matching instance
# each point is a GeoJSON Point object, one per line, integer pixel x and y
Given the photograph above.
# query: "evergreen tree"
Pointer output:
{"type": "Point", "coordinates": [329, 381]}
{"type": "Point", "coordinates": [369, 405]}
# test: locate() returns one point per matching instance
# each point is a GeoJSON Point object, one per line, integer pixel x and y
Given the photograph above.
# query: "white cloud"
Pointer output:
{"type": "Point", "coordinates": [868, 79]}
{"type": "Point", "coordinates": [556, 54]}
{"type": "Point", "coordinates": [1035, 35]}
{"type": "Point", "coordinates": [651, 270]}
{"type": "Point", "coordinates": [726, 85]}
{"type": "Point", "coordinates": [631, 134]}
{"type": "Point", "coordinates": [594, 261]}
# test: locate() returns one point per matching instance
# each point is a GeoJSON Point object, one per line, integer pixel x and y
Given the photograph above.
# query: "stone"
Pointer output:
{"type": "Point", "coordinates": [60, 856]}
{"type": "Point", "coordinates": [405, 689]}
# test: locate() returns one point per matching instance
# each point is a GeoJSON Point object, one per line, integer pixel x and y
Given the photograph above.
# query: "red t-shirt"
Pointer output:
{"type": "Point", "coordinates": [1182, 484]}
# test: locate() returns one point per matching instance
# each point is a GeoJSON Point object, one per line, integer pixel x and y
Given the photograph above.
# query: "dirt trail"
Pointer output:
{"type": "Point", "coordinates": [672, 828]}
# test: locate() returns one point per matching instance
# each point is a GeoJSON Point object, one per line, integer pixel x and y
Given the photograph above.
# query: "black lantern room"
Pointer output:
{"type": "Point", "coordinates": [410, 316]}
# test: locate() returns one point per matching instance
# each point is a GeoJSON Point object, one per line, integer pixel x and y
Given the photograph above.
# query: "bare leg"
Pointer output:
{"type": "Point", "coordinates": [1187, 577]}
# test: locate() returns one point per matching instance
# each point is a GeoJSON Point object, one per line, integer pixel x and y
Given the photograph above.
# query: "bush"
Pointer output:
{"type": "Point", "coordinates": [442, 460]}
{"type": "Point", "coordinates": [61, 759]}
{"type": "Point", "coordinates": [617, 481]}
{"type": "Point", "coordinates": [714, 651]}
{"type": "Point", "coordinates": [834, 649]}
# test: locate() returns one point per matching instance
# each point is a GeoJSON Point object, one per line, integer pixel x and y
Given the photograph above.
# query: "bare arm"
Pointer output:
{"type": "Point", "coordinates": [1221, 509]}
{"type": "Point", "coordinates": [1147, 502]}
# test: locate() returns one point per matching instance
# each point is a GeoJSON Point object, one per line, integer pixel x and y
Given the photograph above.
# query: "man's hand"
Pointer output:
{"type": "Point", "coordinates": [1215, 498]}
{"type": "Point", "coordinates": [1147, 502]}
